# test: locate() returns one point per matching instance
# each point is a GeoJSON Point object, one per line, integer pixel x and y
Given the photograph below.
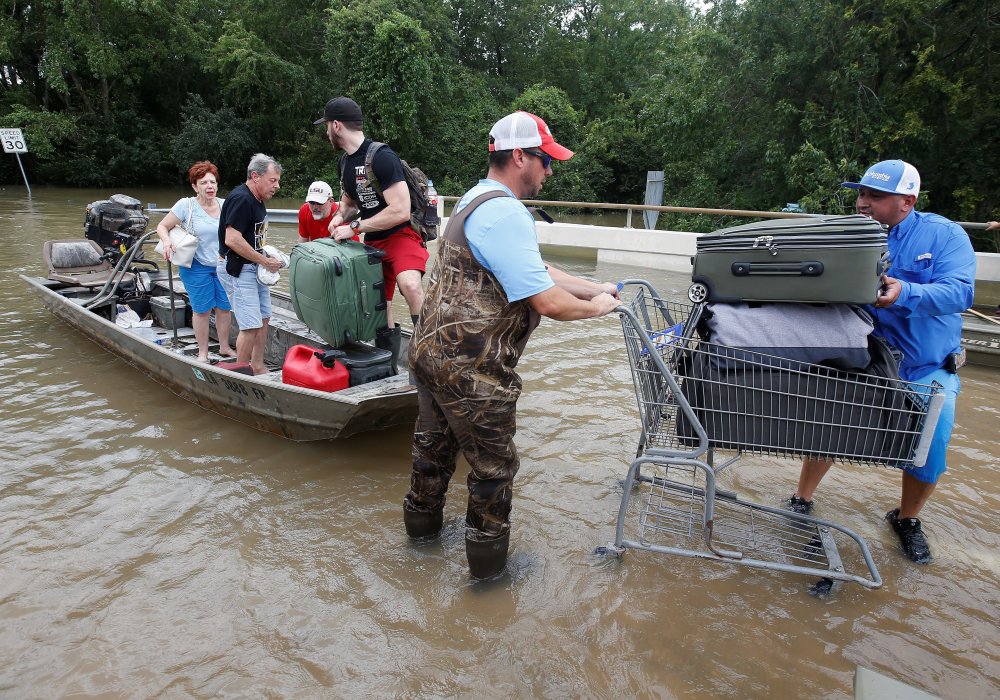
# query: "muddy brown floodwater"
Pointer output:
{"type": "Point", "coordinates": [151, 549]}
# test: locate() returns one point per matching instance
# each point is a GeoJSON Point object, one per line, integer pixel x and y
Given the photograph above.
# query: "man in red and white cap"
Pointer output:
{"type": "Point", "coordinates": [487, 292]}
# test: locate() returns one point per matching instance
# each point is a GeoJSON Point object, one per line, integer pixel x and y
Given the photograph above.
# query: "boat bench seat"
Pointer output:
{"type": "Point", "coordinates": [78, 262]}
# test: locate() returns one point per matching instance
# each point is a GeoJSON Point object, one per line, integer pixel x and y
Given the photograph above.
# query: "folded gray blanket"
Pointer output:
{"type": "Point", "coordinates": [835, 335]}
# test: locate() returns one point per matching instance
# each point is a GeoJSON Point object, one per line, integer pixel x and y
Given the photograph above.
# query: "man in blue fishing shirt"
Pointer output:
{"type": "Point", "coordinates": [929, 284]}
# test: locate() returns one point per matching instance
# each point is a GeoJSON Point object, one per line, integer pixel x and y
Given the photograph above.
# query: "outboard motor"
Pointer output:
{"type": "Point", "coordinates": [115, 223]}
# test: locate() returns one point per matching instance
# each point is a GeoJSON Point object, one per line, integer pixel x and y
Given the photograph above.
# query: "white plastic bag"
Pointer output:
{"type": "Point", "coordinates": [265, 276]}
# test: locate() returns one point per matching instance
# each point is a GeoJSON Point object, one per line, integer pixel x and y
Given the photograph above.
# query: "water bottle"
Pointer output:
{"type": "Point", "coordinates": [431, 215]}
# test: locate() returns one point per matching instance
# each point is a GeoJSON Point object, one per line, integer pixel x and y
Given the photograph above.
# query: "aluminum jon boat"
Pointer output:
{"type": "Point", "coordinates": [90, 296]}
{"type": "Point", "coordinates": [981, 338]}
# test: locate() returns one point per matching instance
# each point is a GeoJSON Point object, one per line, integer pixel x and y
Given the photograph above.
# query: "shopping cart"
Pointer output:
{"type": "Point", "coordinates": [700, 402]}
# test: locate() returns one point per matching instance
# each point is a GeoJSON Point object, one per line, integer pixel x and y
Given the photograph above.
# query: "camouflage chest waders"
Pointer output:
{"type": "Point", "coordinates": [463, 353]}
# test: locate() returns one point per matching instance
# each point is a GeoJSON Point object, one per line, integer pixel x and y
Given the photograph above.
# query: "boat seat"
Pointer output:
{"type": "Point", "coordinates": [78, 262]}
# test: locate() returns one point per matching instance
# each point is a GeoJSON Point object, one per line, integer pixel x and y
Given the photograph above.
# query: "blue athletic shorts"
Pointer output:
{"type": "Point", "coordinates": [204, 290]}
{"type": "Point", "coordinates": [251, 300]}
{"type": "Point", "coordinates": [936, 464]}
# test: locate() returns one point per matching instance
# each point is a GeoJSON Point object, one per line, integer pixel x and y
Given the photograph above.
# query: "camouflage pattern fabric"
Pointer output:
{"type": "Point", "coordinates": [463, 354]}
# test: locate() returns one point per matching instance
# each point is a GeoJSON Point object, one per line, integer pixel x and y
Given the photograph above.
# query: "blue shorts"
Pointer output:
{"type": "Point", "coordinates": [936, 465]}
{"type": "Point", "coordinates": [204, 290]}
{"type": "Point", "coordinates": [251, 300]}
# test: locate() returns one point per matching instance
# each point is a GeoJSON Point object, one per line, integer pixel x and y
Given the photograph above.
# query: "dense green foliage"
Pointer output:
{"type": "Point", "coordinates": [743, 103]}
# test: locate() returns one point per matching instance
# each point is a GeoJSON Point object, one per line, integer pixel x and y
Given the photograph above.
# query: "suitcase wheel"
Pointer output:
{"type": "Point", "coordinates": [348, 337]}
{"type": "Point", "coordinates": [697, 293]}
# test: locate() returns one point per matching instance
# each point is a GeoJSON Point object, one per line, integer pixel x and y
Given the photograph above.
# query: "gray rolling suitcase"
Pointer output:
{"type": "Point", "coordinates": [337, 290]}
{"type": "Point", "coordinates": [834, 259]}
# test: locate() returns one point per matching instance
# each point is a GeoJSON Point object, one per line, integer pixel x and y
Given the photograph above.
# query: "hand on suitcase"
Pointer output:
{"type": "Point", "coordinates": [888, 292]}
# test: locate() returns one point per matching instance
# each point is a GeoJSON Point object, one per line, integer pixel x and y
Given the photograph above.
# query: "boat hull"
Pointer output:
{"type": "Point", "coordinates": [981, 341]}
{"type": "Point", "coordinates": [291, 412]}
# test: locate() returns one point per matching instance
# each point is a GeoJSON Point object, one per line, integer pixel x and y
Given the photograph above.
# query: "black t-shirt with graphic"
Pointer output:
{"type": "Point", "coordinates": [388, 171]}
{"type": "Point", "coordinates": [246, 214]}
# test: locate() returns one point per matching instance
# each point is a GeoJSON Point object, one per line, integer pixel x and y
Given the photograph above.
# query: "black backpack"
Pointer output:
{"type": "Point", "coordinates": [423, 214]}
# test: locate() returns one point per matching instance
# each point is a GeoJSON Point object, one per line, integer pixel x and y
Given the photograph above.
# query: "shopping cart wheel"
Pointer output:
{"type": "Point", "coordinates": [609, 550]}
{"type": "Point", "coordinates": [824, 588]}
{"type": "Point", "coordinates": [697, 293]}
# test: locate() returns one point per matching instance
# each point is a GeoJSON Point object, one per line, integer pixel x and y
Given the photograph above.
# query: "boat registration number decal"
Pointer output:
{"type": "Point", "coordinates": [238, 388]}
{"type": "Point", "coordinates": [234, 387]}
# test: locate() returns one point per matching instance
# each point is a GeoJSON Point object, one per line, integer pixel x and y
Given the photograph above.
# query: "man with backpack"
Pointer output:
{"type": "Point", "coordinates": [377, 205]}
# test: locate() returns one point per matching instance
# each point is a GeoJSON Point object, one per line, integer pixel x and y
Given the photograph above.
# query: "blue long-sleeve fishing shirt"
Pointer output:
{"type": "Point", "coordinates": [934, 260]}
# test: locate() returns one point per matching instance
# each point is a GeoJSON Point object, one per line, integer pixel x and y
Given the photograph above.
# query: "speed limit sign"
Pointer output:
{"type": "Point", "coordinates": [13, 141]}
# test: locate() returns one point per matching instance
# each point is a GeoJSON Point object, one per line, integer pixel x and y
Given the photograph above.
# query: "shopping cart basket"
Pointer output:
{"type": "Point", "coordinates": [698, 401]}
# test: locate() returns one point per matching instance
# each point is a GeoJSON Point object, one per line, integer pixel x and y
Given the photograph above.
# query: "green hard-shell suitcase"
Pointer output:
{"type": "Point", "coordinates": [833, 259]}
{"type": "Point", "coordinates": [337, 289]}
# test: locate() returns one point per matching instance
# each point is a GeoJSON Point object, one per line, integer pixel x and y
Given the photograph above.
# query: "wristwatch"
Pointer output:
{"type": "Point", "coordinates": [356, 226]}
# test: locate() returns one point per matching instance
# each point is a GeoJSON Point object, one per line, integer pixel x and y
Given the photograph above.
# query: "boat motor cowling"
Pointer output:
{"type": "Point", "coordinates": [115, 223]}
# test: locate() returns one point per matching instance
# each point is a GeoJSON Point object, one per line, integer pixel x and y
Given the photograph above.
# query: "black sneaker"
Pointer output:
{"type": "Point", "coordinates": [799, 505]}
{"type": "Point", "coordinates": [911, 536]}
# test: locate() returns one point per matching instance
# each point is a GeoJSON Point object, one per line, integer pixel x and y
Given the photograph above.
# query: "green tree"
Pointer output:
{"type": "Point", "coordinates": [385, 59]}
{"type": "Point", "coordinates": [745, 104]}
{"type": "Point", "coordinates": [220, 136]}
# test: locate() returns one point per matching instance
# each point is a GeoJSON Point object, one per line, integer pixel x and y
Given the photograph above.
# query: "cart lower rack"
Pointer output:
{"type": "Point", "coordinates": [698, 401]}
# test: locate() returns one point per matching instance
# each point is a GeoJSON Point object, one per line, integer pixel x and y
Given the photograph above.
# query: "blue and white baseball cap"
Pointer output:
{"type": "Point", "coordinates": [894, 176]}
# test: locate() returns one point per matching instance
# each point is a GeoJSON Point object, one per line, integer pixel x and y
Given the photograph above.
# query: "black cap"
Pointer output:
{"type": "Point", "coordinates": [341, 109]}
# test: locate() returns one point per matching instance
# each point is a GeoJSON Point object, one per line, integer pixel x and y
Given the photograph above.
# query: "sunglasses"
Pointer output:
{"type": "Point", "coordinates": [546, 158]}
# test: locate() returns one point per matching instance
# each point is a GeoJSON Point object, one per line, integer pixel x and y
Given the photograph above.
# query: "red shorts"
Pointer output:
{"type": "Point", "coordinates": [404, 250]}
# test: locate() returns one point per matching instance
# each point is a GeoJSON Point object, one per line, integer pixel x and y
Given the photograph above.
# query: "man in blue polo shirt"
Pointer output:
{"type": "Point", "coordinates": [930, 282]}
{"type": "Point", "coordinates": [487, 292]}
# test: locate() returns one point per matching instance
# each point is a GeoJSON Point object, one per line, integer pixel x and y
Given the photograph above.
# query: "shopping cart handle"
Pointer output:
{"type": "Point", "coordinates": [934, 406]}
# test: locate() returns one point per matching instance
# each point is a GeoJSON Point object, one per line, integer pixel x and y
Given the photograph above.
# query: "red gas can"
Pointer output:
{"type": "Point", "coordinates": [314, 369]}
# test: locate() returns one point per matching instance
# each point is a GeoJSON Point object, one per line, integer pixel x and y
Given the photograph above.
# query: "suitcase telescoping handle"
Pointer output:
{"type": "Point", "coordinates": [805, 268]}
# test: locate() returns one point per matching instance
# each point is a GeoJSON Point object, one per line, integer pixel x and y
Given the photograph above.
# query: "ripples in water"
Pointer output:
{"type": "Point", "coordinates": [149, 548]}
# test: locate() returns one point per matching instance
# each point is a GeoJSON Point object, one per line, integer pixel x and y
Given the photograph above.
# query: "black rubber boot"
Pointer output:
{"type": "Point", "coordinates": [388, 339]}
{"type": "Point", "coordinates": [422, 524]}
{"type": "Point", "coordinates": [487, 557]}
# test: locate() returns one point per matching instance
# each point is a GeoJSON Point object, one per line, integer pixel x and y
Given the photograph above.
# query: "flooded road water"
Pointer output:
{"type": "Point", "coordinates": [151, 549]}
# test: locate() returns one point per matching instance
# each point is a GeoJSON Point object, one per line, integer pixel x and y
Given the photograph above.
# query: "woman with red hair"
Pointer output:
{"type": "Point", "coordinates": [201, 281]}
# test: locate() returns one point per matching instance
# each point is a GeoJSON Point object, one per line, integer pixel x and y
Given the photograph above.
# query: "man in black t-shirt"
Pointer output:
{"type": "Point", "coordinates": [384, 218]}
{"type": "Point", "coordinates": [242, 237]}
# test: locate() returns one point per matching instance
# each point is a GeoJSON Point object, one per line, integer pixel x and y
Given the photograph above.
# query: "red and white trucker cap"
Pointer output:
{"type": "Point", "coordinates": [525, 130]}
